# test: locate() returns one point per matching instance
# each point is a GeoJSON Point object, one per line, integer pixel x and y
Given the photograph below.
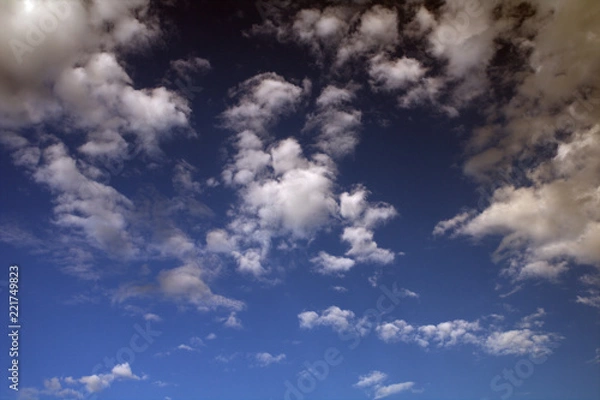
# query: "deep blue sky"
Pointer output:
{"type": "Point", "coordinates": [215, 199]}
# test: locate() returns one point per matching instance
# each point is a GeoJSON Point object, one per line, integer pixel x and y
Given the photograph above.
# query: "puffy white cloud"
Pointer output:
{"type": "Point", "coordinates": [338, 319]}
{"type": "Point", "coordinates": [378, 29]}
{"type": "Point", "coordinates": [336, 120]}
{"type": "Point", "coordinates": [265, 359]}
{"type": "Point", "coordinates": [219, 241]}
{"type": "Point", "coordinates": [184, 285]}
{"type": "Point", "coordinates": [261, 100]}
{"type": "Point", "coordinates": [364, 248]}
{"type": "Point", "coordinates": [394, 74]}
{"type": "Point", "coordinates": [460, 332]}
{"type": "Point", "coordinates": [320, 30]}
{"type": "Point", "coordinates": [385, 391]}
{"type": "Point", "coordinates": [232, 321]}
{"type": "Point", "coordinates": [84, 205]}
{"type": "Point", "coordinates": [152, 317]}
{"type": "Point", "coordinates": [373, 382]}
{"type": "Point", "coordinates": [395, 330]}
{"type": "Point", "coordinates": [329, 264]}
{"type": "Point", "coordinates": [519, 342]}
{"type": "Point", "coordinates": [543, 204]}
{"type": "Point", "coordinates": [250, 261]}
{"type": "Point", "coordinates": [524, 338]}
{"type": "Point", "coordinates": [97, 383]}
{"type": "Point", "coordinates": [371, 379]}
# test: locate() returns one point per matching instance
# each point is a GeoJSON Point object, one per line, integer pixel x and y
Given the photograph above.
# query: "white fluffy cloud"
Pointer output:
{"type": "Point", "coordinates": [261, 100]}
{"type": "Point", "coordinates": [394, 74]}
{"type": "Point", "coordinates": [328, 264]}
{"type": "Point", "coordinates": [266, 359]}
{"type": "Point", "coordinates": [460, 332]}
{"type": "Point", "coordinates": [371, 379]}
{"type": "Point", "coordinates": [336, 120]}
{"type": "Point", "coordinates": [524, 338]}
{"type": "Point", "coordinates": [55, 387]}
{"type": "Point", "coordinates": [377, 30]}
{"type": "Point", "coordinates": [184, 285]}
{"type": "Point", "coordinates": [543, 204]}
{"type": "Point", "coordinates": [334, 317]}
{"type": "Point", "coordinates": [373, 382]}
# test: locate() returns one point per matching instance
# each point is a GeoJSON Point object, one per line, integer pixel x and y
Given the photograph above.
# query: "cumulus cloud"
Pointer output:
{"type": "Point", "coordinates": [373, 382]}
{"type": "Point", "coordinates": [328, 264]}
{"type": "Point", "coordinates": [183, 285]}
{"type": "Point", "coordinates": [460, 332]}
{"type": "Point", "coordinates": [524, 338]}
{"type": "Point", "coordinates": [152, 317]}
{"type": "Point", "coordinates": [377, 30]}
{"type": "Point", "coordinates": [232, 321]}
{"type": "Point", "coordinates": [371, 379]}
{"type": "Point", "coordinates": [334, 317]}
{"type": "Point", "coordinates": [265, 359]}
{"type": "Point", "coordinates": [337, 121]}
{"type": "Point", "coordinates": [261, 100]}
{"type": "Point", "coordinates": [537, 156]}
{"type": "Point", "coordinates": [394, 74]}
{"type": "Point", "coordinates": [91, 384]}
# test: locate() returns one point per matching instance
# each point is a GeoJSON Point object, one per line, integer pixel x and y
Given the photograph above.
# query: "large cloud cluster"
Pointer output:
{"type": "Point", "coordinates": [284, 192]}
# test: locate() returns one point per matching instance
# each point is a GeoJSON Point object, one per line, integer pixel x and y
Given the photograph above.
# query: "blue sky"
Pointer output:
{"type": "Point", "coordinates": [302, 200]}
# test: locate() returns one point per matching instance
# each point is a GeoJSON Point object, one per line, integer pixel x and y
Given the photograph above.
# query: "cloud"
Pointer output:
{"type": "Point", "coordinates": [524, 338]}
{"type": "Point", "coordinates": [337, 122]}
{"type": "Point", "coordinates": [97, 211]}
{"type": "Point", "coordinates": [371, 379]}
{"type": "Point", "coordinates": [364, 248]}
{"type": "Point", "coordinates": [536, 157]}
{"type": "Point", "coordinates": [92, 383]}
{"type": "Point", "coordinates": [385, 391]}
{"type": "Point", "coordinates": [266, 359]}
{"type": "Point", "coordinates": [261, 100]}
{"type": "Point", "coordinates": [519, 342]}
{"type": "Point", "coordinates": [183, 180]}
{"type": "Point", "coordinates": [336, 318]}
{"type": "Point", "coordinates": [152, 317]}
{"type": "Point", "coordinates": [377, 30]}
{"type": "Point", "coordinates": [392, 75]}
{"type": "Point", "coordinates": [183, 285]}
{"type": "Point", "coordinates": [373, 382]}
{"type": "Point", "coordinates": [489, 339]}
{"type": "Point", "coordinates": [232, 321]}
{"type": "Point", "coordinates": [329, 264]}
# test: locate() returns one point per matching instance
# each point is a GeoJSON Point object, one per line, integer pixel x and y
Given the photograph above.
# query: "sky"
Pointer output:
{"type": "Point", "coordinates": [299, 200]}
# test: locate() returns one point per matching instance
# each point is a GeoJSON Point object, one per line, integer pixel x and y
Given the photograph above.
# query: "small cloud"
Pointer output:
{"type": "Point", "coordinates": [339, 289]}
{"type": "Point", "coordinates": [185, 347]}
{"type": "Point", "coordinates": [152, 317]}
{"type": "Point", "coordinates": [211, 336]}
{"type": "Point", "coordinates": [225, 359]}
{"type": "Point", "coordinates": [232, 321]}
{"type": "Point", "coordinates": [266, 359]}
